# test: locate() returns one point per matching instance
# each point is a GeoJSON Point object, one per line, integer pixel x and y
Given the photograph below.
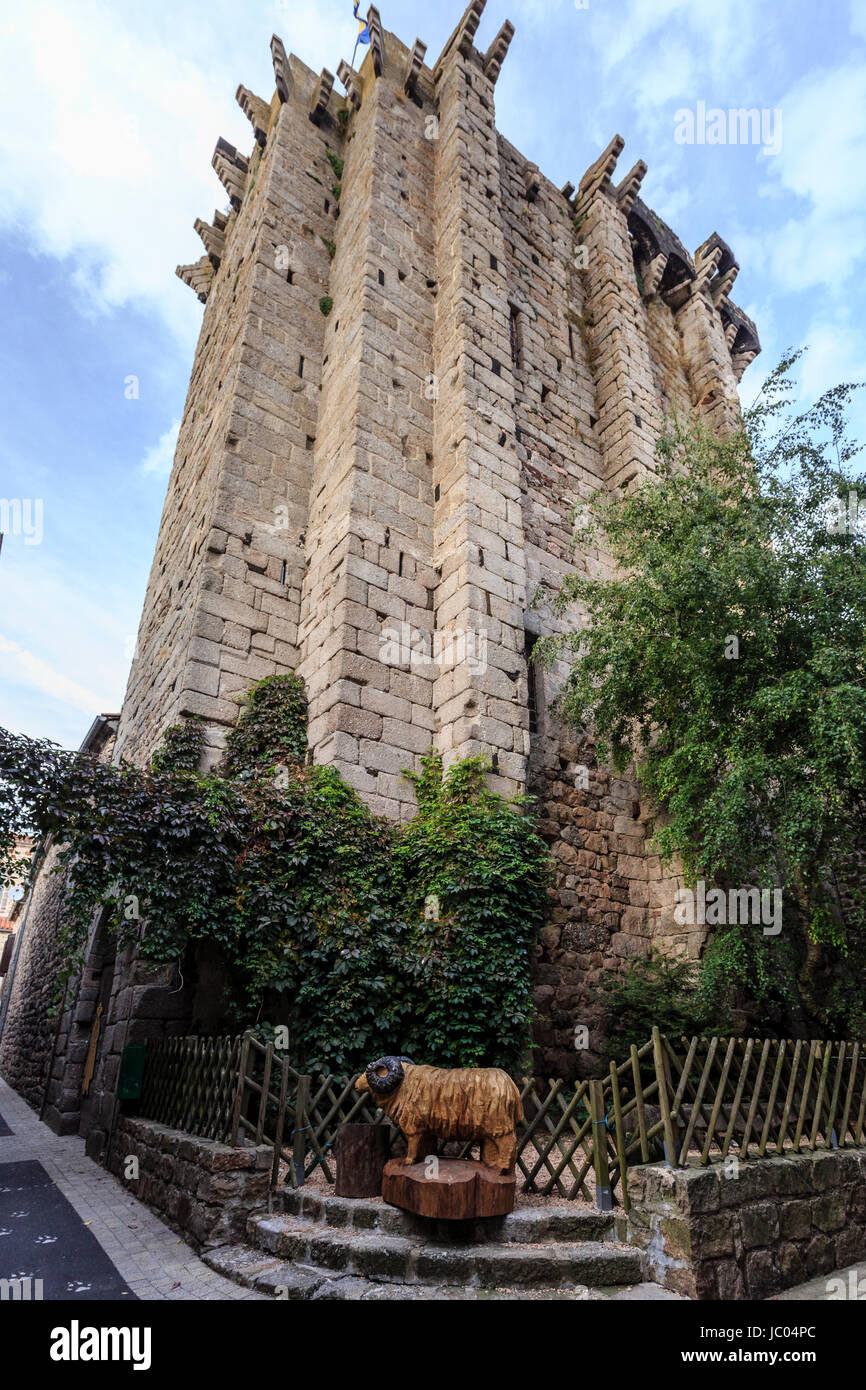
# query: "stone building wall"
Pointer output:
{"type": "Point", "coordinates": [28, 1034]}
{"type": "Point", "coordinates": [418, 357]}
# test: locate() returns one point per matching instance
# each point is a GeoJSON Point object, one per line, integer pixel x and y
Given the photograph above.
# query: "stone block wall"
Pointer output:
{"type": "Point", "coordinates": [771, 1224]}
{"type": "Point", "coordinates": [202, 1189]}
{"type": "Point", "coordinates": [28, 1033]}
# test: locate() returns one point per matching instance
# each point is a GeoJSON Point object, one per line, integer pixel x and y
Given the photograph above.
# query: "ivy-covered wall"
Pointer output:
{"type": "Point", "coordinates": [266, 892]}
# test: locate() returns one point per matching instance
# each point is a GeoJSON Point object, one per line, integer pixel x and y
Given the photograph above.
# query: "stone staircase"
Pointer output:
{"type": "Point", "coordinates": [324, 1247]}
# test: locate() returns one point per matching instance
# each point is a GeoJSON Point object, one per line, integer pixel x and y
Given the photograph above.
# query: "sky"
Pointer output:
{"type": "Point", "coordinates": [108, 119]}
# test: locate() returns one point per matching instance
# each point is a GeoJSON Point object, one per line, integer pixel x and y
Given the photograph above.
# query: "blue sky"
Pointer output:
{"type": "Point", "coordinates": [108, 119]}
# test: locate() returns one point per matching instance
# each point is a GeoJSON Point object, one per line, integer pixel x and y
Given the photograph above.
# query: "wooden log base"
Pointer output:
{"type": "Point", "coordinates": [461, 1190]}
{"type": "Point", "coordinates": [361, 1152]}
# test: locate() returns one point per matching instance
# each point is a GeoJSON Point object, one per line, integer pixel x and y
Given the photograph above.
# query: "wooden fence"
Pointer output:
{"type": "Point", "coordinates": [688, 1101]}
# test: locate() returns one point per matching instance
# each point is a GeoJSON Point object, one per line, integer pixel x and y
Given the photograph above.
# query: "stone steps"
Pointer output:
{"type": "Point", "coordinates": [284, 1280]}
{"type": "Point", "coordinates": [324, 1247]}
{"type": "Point", "coordinates": [527, 1225]}
{"type": "Point", "coordinates": [376, 1255]}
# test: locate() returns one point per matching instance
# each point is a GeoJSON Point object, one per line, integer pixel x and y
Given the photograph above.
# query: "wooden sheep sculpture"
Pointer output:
{"type": "Point", "coordinates": [428, 1103]}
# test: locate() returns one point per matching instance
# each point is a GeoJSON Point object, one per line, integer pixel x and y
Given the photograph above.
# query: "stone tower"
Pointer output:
{"type": "Point", "coordinates": [417, 358]}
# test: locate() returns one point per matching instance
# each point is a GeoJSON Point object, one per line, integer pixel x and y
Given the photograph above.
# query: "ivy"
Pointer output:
{"type": "Point", "coordinates": [360, 934]}
{"type": "Point", "coordinates": [272, 726]}
{"type": "Point", "coordinates": [181, 747]}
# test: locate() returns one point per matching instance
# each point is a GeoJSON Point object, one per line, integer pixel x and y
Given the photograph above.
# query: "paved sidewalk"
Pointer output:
{"type": "Point", "coordinates": [148, 1256]}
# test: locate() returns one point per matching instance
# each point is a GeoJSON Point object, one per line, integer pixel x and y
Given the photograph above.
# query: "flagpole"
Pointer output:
{"type": "Point", "coordinates": [355, 49]}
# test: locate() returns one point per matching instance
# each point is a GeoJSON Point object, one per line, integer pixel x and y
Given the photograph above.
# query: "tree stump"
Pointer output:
{"type": "Point", "coordinates": [452, 1189]}
{"type": "Point", "coordinates": [361, 1152]}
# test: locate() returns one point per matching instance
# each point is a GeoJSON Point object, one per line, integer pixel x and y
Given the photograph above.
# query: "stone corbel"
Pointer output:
{"type": "Point", "coordinates": [598, 175]}
{"type": "Point", "coordinates": [495, 55]}
{"type": "Point", "coordinates": [351, 82]}
{"type": "Point", "coordinates": [721, 287]}
{"type": "Point", "coordinates": [214, 241]}
{"type": "Point", "coordinates": [531, 181]}
{"type": "Point", "coordinates": [626, 191]}
{"type": "Point", "coordinates": [651, 273]}
{"type": "Point", "coordinates": [231, 170]}
{"type": "Point", "coordinates": [199, 277]}
{"type": "Point", "coordinates": [281, 69]}
{"type": "Point", "coordinates": [413, 68]}
{"type": "Point", "coordinates": [706, 262]}
{"type": "Point", "coordinates": [321, 97]}
{"type": "Point", "coordinates": [741, 336]}
{"type": "Point", "coordinates": [377, 40]}
{"type": "Point", "coordinates": [721, 283]}
{"type": "Point", "coordinates": [256, 111]}
{"type": "Point", "coordinates": [741, 360]}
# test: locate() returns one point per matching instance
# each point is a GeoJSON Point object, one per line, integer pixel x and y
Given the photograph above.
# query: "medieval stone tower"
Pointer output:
{"type": "Point", "coordinates": [417, 358]}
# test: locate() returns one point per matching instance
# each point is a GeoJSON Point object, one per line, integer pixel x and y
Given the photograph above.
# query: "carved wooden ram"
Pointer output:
{"type": "Point", "coordinates": [428, 1103]}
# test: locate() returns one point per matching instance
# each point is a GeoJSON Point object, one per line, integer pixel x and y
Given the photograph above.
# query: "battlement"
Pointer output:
{"type": "Point", "coordinates": [662, 265]}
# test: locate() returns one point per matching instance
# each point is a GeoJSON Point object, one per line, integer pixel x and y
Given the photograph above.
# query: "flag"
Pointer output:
{"type": "Point", "coordinates": [363, 27]}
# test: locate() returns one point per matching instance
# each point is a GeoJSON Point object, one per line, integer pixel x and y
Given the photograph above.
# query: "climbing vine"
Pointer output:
{"type": "Point", "coordinates": [362, 935]}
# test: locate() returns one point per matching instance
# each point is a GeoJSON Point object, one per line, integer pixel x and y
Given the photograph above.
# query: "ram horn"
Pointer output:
{"type": "Point", "coordinates": [384, 1085]}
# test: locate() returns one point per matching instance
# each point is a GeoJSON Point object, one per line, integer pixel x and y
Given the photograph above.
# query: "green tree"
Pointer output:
{"type": "Point", "coordinates": [726, 660]}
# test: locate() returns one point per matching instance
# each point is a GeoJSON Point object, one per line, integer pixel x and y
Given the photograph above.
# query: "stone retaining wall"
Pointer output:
{"type": "Point", "coordinates": [202, 1189]}
{"type": "Point", "coordinates": [748, 1230]}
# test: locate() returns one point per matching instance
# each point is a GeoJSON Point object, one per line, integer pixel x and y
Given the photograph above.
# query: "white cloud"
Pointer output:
{"type": "Point", "coordinates": [823, 164]}
{"type": "Point", "coordinates": [836, 353]}
{"type": "Point", "coordinates": [60, 636]}
{"type": "Point", "coordinates": [21, 667]}
{"type": "Point", "coordinates": [160, 456]}
{"type": "Point", "coordinates": [107, 126]}
{"type": "Point", "coordinates": [698, 39]}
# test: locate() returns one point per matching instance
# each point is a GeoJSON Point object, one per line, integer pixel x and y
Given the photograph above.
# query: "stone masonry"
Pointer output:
{"type": "Point", "coordinates": [748, 1230]}
{"type": "Point", "coordinates": [418, 358]}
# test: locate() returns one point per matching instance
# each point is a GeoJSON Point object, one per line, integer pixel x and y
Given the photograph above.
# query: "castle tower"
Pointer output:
{"type": "Point", "coordinates": [417, 358]}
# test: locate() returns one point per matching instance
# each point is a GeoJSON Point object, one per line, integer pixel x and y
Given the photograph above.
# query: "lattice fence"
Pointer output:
{"type": "Point", "coordinates": [690, 1101]}
{"type": "Point", "coordinates": [191, 1083]}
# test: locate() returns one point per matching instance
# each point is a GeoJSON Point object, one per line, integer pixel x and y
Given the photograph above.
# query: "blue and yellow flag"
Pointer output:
{"type": "Point", "coordinates": [363, 29]}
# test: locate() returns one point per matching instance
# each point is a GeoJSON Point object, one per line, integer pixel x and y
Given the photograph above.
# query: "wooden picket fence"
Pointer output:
{"type": "Point", "coordinates": [691, 1101]}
